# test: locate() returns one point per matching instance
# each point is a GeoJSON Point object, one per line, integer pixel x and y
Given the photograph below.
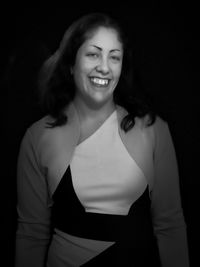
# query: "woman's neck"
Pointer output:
{"type": "Point", "coordinates": [94, 112]}
{"type": "Point", "coordinates": [92, 118]}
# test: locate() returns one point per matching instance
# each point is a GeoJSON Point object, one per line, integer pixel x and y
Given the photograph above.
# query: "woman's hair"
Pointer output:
{"type": "Point", "coordinates": [56, 84]}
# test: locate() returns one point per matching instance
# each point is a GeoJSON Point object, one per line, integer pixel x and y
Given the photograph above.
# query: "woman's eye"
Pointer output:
{"type": "Point", "coordinates": [115, 58]}
{"type": "Point", "coordinates": [92, 55]}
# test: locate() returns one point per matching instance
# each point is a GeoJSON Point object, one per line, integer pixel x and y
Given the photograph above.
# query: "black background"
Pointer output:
{"type": "Point", "coordinates": [167, 44]}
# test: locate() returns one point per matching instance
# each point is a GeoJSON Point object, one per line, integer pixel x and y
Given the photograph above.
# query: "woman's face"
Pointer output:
{"type": "Point", "coordinates": [98, 66]}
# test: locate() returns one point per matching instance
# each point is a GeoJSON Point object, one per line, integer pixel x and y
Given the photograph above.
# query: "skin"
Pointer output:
{"type": "Point", "coordinates": [96, 72]}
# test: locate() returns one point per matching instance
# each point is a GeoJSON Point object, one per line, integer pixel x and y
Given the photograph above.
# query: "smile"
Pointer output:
{"type": "Point", "coordinates": [99, 81]}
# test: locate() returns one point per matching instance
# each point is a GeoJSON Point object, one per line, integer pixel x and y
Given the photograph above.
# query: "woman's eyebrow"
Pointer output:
{"type": "Point", "coordinates": [112, 50]}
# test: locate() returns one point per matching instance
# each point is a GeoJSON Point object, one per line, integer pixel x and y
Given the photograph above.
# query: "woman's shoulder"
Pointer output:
{"type": "Point", "coordinates": [44, 137]}
{"type": "Point", "coordinates": [160, 128]}
{"type": "Point", "coordinates": [156, 131]}
{"type": "Point", "coordinates": [148, 121]}
{"type": "Point", "coordinates": [36, 132]}
{"type": "Point", "coordinates": [158, 125]}
{"type": "Point", "coordinates": [39, 127]}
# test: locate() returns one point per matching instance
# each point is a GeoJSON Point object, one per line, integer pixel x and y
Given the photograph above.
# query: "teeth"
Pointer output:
{"type": "Point", "coordinates": [99, 81]}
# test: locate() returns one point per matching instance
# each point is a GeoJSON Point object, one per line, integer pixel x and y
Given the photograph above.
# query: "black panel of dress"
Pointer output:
{"type": "Point", "coordinates": [135, 244]}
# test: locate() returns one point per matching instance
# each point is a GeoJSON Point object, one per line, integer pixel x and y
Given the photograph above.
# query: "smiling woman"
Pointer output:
{"type": "Point", "coordinates": [97, 176]}
{"type": "Point", "coordinates": [97, 71]}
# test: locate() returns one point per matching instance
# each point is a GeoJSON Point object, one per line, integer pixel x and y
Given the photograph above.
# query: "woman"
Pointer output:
{"type": "Point", "coordinates": [97, 176]}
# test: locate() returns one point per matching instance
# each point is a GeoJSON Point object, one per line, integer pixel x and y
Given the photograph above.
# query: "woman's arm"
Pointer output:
{"type": "Point", "coordinates": [167, 213]}
{"type": "Point", "coordinates": [33, 231]}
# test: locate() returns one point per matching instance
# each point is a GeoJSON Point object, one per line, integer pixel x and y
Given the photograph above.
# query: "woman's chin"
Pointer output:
{"type": "Point", "coordinates": [98, 101]}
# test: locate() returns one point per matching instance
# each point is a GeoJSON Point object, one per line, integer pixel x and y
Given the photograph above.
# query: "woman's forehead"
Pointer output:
{"type": "Point", "coordinates": [103, 36]}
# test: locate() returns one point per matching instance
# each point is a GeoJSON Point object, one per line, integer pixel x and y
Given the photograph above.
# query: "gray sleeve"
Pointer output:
{"type": "Point", "coordinates": [167, 213]}
{"type": "Point", "coordinates": [33, 229]}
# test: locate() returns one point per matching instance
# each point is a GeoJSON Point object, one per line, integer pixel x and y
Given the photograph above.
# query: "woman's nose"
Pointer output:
{"type": "Point", "coordinates": [103, 66]}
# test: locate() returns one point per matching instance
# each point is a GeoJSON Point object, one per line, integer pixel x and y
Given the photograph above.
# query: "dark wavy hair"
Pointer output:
{"type": "Point", "coordinates": [56, 84]}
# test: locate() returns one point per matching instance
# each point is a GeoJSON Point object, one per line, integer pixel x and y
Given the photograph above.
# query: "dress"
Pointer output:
{"type": "Point", "coordinates": [54, 155]}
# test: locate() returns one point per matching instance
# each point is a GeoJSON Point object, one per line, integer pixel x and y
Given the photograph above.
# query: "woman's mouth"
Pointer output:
{"type": "Point", "coordinates": [100, 82]}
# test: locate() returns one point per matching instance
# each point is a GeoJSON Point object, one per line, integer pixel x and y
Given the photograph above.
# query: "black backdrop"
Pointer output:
{"type": "Point", "coordinates": [166, 40]}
